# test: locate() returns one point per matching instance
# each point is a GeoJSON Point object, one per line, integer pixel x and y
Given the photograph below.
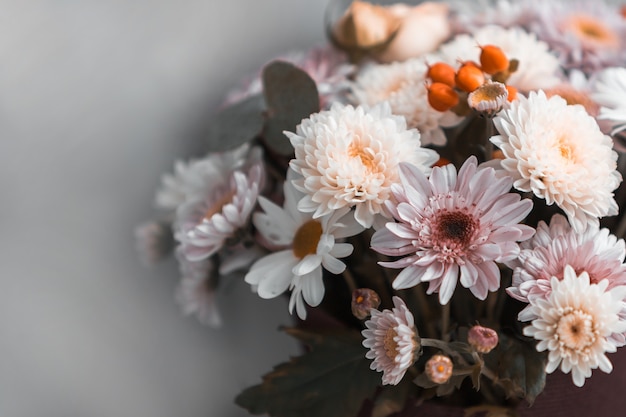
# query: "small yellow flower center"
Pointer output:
{"type": "Point", "coordinates": [359, 299]}
{"type": "Point", "coordinates": [391, 346]}
{"type": "Point", "coordinates": [575, 330]}
{"type": "Point", "coordinates": [306, 239]}
{"type": "Point", "coordinates": [591, 32]}
{"type": "Point", "coordinates": [217, 206]}
{"type": "Point", "coordinates": [365, 154]}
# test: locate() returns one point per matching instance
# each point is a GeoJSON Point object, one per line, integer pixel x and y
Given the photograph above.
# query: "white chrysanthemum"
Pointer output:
{"type": "Point", "coordinates": [402, 85]}
{"type": "Point", "coordinates": [469, 16]}
{"type": "Point", "coordinates": [195, 179]}
{"type": "Point", "coordinates": [537, 69]}
{"type": "Point", "coordinates": [574, 323]}
{"type": "Point", "coordinates": [311, 244]}
{"type": "Point", "coordinates": [610, 94]}
{"type": "Point", "coordinates": [392, 340]}
{"type": "Point", "coordinates": [559, 153]}
{"type": "Point", "coordinates": [204, 226]}
{"type": "Point", "coordinates": [349, 157]}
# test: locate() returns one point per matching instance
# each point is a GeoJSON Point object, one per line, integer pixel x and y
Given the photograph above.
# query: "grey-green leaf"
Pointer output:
{"type": "Point", "coordinates": [237, 124]}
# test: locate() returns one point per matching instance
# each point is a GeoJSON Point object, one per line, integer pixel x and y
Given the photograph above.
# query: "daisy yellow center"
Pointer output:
{"type": "Point", "coordinates": [488, 92]}
{"type": "Point", "coordinates": [455, 227]}
{"type": "Point", "coordinates": [575, 331]}
{"type": "Point", "coordinates": [217, 206]}
{"type": "Point", "coordinates": [365, 154]}
{"type": "Point", "coordinates": [390, 345]}
{"type": "Point", "coordinates": [306, 239]}
{"type": "Point", "coordinates": [566, 150]}
{"type": "Point", "coordinates": [592, 31]}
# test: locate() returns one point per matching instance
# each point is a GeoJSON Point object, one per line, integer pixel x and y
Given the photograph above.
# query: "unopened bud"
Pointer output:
{"type": "Point", "coordinates": [363, 300]}
{"type": "Point", "coordinates": [489, 98]}
{"type": "Point", "coordinates": [483, 339]}
{"type": "Point", "coordinates": [439, 369]}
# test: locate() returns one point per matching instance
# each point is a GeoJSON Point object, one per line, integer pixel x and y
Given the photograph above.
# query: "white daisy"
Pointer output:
{"type": "Point", "coordinates": [392, 340]}
{"type": "Point", "coordinates": [610, 93]}
{"type": "Point", "coordinates": [558, 152]}
{"type": "Point", "coordinates": [311, 244]}
{"type": "Point", "coordinates": [349, 157]}
{"type": "Point", "coordinates": [402, 85]}
{"type": "Point", "coordinates": [574, 323]}
{"type": "Point", "coordinates": [537, 69]}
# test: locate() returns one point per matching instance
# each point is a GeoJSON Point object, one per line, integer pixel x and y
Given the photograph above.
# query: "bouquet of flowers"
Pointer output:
{"type": "Point", "coordinates": [436, 191]}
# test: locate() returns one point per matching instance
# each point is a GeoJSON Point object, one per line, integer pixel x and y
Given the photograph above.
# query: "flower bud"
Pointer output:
{"type": "Point", "coordinates": [489, 98]}
{"type": "Point", "coordinates": [469, 77]}
{"type": "Point", "coordinates": [483, 339]}
{"type": "Point", "coordinates": [442, 97]}
{"type": "Point", "coordinates": [365, 26]}
{"type": "Point", "coordinates": [493, 59]}
{"type": "Point", "coordinates": [439, 369]}
{"type": "Point", "coordinates": [363, 300]}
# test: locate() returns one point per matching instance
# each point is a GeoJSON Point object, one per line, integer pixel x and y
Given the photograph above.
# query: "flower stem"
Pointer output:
{"type": "Point", "coordinates": [445, 322]}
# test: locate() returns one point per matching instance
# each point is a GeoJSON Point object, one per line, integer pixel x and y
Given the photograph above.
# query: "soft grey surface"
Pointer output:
{"type": "Point", "coordinates": [97, 99]}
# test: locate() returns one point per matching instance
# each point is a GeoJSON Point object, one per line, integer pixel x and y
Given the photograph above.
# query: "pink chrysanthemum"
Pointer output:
{"type": "Point", "coordinates": [574, 324]}
{"type": "Point", "coordinates": [450, 227]}
{"type": "Point", "coordinates": [557, 246]}
{"type": "Point", "coordinates": [204, 226]}
{"type": "Point", "coordinates": [392, 340]}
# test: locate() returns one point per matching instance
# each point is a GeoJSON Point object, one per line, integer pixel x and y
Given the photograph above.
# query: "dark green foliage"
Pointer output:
{"type": "Point", "coordinates": [236, 125]}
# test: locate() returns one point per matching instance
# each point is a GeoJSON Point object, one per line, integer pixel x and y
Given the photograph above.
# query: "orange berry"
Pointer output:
{"type": "Point", "coordinates": [442, 97]}
{"type": "Point", "coordinates": [441, 72]}
{"type": "Point", "coordinates": [512, 93]}
{"type": "Point", "coordinates": [442, 162]}
{"type": "Point", "coordinates": [469, 77]}
{"type": "Point", "coordinates": [493, 59]}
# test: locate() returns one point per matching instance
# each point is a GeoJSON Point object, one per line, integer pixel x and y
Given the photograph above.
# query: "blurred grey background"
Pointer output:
{"type": "Point", "coordinates": [97, 100]}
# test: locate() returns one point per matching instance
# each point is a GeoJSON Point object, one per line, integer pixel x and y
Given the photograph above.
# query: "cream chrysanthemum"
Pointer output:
{"type": "Point", "coordinates": [349, 157]}
{"type": "Point", "coordinates": [610, 94]}
{"type": "Point", "coordinates": [392, 340]}
{"type": "Point", "coordinates": [537, 69]}
{"type": "Point", "coordinates": [574, 324]}
{"type": "Point", "coordinates": [402, 85]}
{"type": "Point", "coordinates": [310, 245]}
{"type": "Point", "coordinates": [558, 152]}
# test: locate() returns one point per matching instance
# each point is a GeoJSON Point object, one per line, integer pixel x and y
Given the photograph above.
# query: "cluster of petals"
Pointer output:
{"type": "Point", "coordinates": [349, 157]}
{"type": "Point", "coordinates": [403, 86]}
{"type": "Point", "coordinates": [392, 340]}
{"type": "Point", "coordinates": [609, 91]}
{"type": "Point", "coordinates": [309, 246]}
{"type": "Point", "coordinates": [574, 324]}
{"type": "Point", "coordinates": [538, 68]}
{"type": "Point", "coordinates": [205, 225]}
{"type": "Point", "coordinates": [453, 228]}
{"type": "Point", "coordinates": [558, 152]}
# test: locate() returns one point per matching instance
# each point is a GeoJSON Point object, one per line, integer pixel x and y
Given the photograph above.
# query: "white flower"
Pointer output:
{"type": "Point", "coordinates": [402, 85]}
{"type": "Point", "coordinates": [574, 323]}
{"type": "Point", "coordinates": [196, 179]}
{"type": "Point", "coordinates": [610, 94]}
{"type": "Point", "coordinates": [350, 156]}
{"type": "Point", "coordinates": [392, 340]}
{"type": "Point", "coordinates": [311, 244]}
{"type": "Point", "coordinates": [559, 153]}
{"type": "Point", "coordinates": [537, 69]}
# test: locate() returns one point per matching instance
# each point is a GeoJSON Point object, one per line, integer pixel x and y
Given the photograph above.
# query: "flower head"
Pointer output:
{"type": "Point", "coordinates": [311, 244]}
{"type": "Point", "coordinates": [558, 152]}
{"type": "Point", "coordinates": [392, 340]}
{"type": "Point", "coordinates": [439, 368]}
{"type": "Point", "coordinates": [610, 94]}
{"type": "Point", "coordinates": [349, 157]}
{"type": "Point", "coordinates": [363, 301]}
{"type": "Point", "coordinates": [453, 226]}
{"type": "Point", "coordinates": [574, 324]}
{"type": "Point", "coordinates": [483, 339]}
{"type": "Point", "coordinates": [402, 85]}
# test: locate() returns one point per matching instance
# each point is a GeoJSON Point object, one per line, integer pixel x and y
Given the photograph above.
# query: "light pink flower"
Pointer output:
{"type": "Point", "coordinates": [453, 227]}
{"type": "Point", "coordinates": [392, 340]}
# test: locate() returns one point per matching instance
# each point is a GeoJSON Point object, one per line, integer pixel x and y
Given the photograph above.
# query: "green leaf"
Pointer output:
{"type": "Point", "coordinates": [519, 367]}
{"type": "Point", "coordinates": [393, 398]}
{"type": "Point", "coordinates": [290, 95]}
{"type": "Point", "coordinates": [237, 124]}
{"type": "Point", "coordinates": [332, 380]}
